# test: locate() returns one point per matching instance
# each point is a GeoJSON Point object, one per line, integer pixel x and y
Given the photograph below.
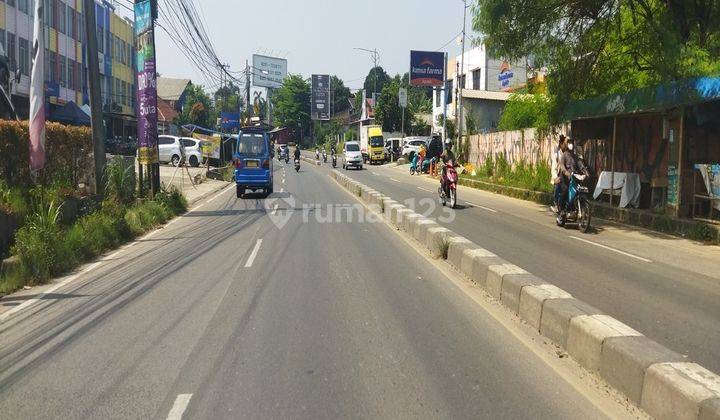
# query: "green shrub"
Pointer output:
{"type": "Point", "coordinates": [67, 149]}
{"type": "Point", "coordinates": [120, 180]}
{"type": "Point", "coordinates": [523, 110]}
{"type": "Point", "coordinates": [173, 199]}
{"type": "Point", "coordinates": [701, 232]}
{"type": "Point", "coordinates": [12, 200]}
{"type": "Point", "coordinates": [39, 250]}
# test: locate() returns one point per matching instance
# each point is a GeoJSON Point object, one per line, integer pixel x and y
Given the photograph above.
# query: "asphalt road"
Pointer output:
{"type": "Point", "coordinates": [665, 287]}
{"type": "Point", "coordinates": [223, 315]}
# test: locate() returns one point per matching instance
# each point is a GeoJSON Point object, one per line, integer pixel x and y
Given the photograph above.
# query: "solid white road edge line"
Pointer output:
{"type": "Point", "coordinates": [178, 408]}
{"type": "Point", "coordinates": [254, 253]}
{"type": "Point", "coordinates": [89, 268]}
{"type": "Point", "coordinates": [627, 254]}
{"type": "Point", "coordinates": [481, 207]}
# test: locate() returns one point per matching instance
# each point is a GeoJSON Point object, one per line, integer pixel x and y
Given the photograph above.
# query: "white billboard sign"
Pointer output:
{"type": "Point", "coordinates": [402, 97]}
{"type": "Point", "coordinates": [268, 72]}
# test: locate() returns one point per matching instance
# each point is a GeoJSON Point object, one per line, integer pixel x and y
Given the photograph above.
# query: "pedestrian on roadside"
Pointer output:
{"type": "Point", "coordinates": [422, 153]}
{"type": "Point", "coordinates": [555, 179]}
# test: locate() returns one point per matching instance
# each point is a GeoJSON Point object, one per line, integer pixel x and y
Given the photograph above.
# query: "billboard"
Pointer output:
{"type": "Point", "coordinates": [147, 124]}
{"type": "Point", "coordinates": [320, 107]}
{"type": "Point", "coordinates": [427, 68]}
{"type": "Point", "coordinates": [230, 121]}
{"type": "Point", "coordinates": [268, 72]}
{"type": "Point", "coordinates": [503, 75]}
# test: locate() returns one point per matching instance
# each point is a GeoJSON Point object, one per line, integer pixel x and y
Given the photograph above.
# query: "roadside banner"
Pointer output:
{"type": "Point", "coordinates": [146, 85]}
{"type": "Point", "coordinates": [37, 93]}
{"type": "Point", "coordinates": [320, 97]}
{"type": "Point", "coordinates": [427, 68]}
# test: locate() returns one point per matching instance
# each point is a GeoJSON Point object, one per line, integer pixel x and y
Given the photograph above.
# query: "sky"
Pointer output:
{"type": "Point", "coordinates": [318, 36]}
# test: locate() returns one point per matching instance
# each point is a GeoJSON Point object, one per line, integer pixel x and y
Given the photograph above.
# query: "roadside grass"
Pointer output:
{"type": "Point", "coordinates": [523, 175]}
{"type": "Point", "coordinates": [45, 248]}
{"type": "Point", "coordinates": [443, 247]}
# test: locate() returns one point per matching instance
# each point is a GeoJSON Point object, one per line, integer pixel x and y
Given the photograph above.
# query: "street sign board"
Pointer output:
{"type": "Point", "coordinates": [320, 107]}
{"type": "Point", "coordinates": [427, 68]}
{"type": "Point", "coordinates": [402, 97]}
{"type": "Point", "coordinates": [268, 72]}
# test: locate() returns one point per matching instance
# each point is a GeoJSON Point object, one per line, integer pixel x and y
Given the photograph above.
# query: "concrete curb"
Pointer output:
{"type": "Point", "coordinates": [660, 381]}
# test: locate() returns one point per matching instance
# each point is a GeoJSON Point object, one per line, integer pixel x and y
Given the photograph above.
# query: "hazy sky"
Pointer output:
{"type": "Point", "coordinates": [318, 36]}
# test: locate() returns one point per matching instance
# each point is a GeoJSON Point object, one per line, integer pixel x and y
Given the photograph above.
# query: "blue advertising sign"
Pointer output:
{"type": "Point", "coordinates": [427, 68]}
{"type": "Point", "coordinates": [229, 120]}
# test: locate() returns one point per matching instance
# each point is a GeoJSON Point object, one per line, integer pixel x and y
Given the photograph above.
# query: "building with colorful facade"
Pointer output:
{"type": "Point", "coordinates": [65, 58]}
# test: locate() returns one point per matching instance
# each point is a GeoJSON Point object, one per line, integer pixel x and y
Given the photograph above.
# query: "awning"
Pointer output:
{"type": "Point", "coordinates": [69, 114]}
{"type": "Point", "coordinates": [650, 99]}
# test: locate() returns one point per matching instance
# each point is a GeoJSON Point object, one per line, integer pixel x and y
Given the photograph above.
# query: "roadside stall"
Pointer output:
{"type": "Point", "coordinates": [654, 148]}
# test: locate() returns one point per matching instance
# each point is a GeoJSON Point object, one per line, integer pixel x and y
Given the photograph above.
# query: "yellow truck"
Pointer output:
{"type": "Point", "coordinates": [372, 144]}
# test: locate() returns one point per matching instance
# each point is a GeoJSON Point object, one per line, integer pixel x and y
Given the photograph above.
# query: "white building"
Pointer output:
{"type": "Point", "coordinates": [483, 78]}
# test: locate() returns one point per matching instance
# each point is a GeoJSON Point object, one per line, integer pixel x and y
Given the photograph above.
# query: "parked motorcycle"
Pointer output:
{"type": "Point", "coordinates": [297, 165]}
{"type": "Point", "coordinates": [334, 161]}
{"type": "Point", "coordinates": [324, 157]}
{"type": "Point", "coordinates": [413, 164]}
{"type": "Point", "coordinates": [578, 207]}
{"type": "Point", "coordinates": [448, 195]}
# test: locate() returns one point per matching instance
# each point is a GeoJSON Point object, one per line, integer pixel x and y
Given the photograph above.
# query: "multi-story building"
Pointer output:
{"type": "Point", "coordinates": [65, 58]}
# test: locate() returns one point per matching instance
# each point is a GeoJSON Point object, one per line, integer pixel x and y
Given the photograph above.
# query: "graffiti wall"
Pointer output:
{"type": "Point", "coordinates": [517, 146]}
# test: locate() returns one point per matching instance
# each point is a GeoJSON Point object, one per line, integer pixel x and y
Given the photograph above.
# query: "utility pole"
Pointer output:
{"type": "Point", "coordinates": [376, 58]}
{"type": "Point", "coordinates": [463, 78]}
{"type": "Point", "coordinates": [248, 105]}
{"type": "Point", "coordinates": [95, 94]}
{"type": "Point", "coordinates": [444, 102]}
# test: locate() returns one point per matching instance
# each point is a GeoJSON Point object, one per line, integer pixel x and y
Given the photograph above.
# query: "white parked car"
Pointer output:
{"type": "Point", "coordinates": [193, 151]}
{"type": "Point", "coordinates": [412, 146]}
{"type": "Point", "coordinates": [173, 150]}
{"type": "Point", "coordinates": [352, 156]}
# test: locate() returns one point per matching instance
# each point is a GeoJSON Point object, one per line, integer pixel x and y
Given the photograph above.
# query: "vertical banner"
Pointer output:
{"type": "Point", "coordinates": [146, 84]}
{"type": "Point", "coordinates": [37, 93]}
{"type": "Point", "coordinates": [320, 109]}
{"type": "Point", "coordinates": [427, 68]}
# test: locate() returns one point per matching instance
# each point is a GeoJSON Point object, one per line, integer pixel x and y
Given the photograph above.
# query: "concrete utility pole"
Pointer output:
{"type": "Point", "coordinates": [248, 106]}
{"type": "Point", "coordinates": [375, 58]}
{"type": "Point", "coordinates": [463, 78]}
{"type": "Point", "coordinates": [98, 134]}
{"type": "Point", "coordinates": [444, 102]}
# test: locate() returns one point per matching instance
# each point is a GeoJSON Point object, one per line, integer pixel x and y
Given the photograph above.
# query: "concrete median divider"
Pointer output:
{"type": "Point", "coordinates": [662, 382]}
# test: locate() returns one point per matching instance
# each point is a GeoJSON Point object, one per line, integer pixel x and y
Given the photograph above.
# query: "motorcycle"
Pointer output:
{"type": "Point", "coordinates": [324, 157]}
{"type": "Point", "coordinates": [334, 161]}
{"type": "Point", "coordinates": [297, 165]}
{"type": "Point", "coordinates": [448, 195]}
{"type": "Point", "coordinates": [578, 207]}
{"type": "Point", "coordinates": [317, 155]}
{"type": "Point", "coordinates": [413, 164]}
{"type": "Point", "coordinates": [287, 157]}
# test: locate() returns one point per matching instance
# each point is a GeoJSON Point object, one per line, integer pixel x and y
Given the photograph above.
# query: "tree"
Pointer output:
{"type": "Point", "coordinates": [198, 108]}
{"type": "Point", "coordinates": [376, 74]}
{"type": "Point", "coordinates": [523, 110]}
{"type": "Point", "coordinates": [227, 98]}
{"type": "Point", "coordinates": [594, 47]}
{"type": "Point", "coordinates": [388, 112]}
{"type": "Point", "coordinates": [291, 104]}
{"type": "Point", "coordinates": [340, 94]}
